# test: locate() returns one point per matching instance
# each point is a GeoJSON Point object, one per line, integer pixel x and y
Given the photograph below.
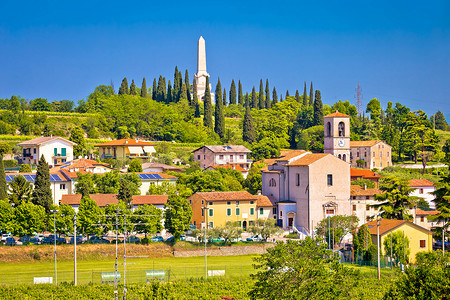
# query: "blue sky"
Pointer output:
{"type": "Point", "coordinates": [397, 50]}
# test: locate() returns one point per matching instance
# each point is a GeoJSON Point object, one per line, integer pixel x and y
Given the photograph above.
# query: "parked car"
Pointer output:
{"type": "Point", "coordinates": [5, 236]}
{"type": "Point", "coordinates": [98, 240]}
{"type": "Point", "coordinates": [133, 239]}
{"type": "Point", "coordinates": [25, 239]}
{"type": "Point", "coordinates": [35, 240]}
{"type": "Point", "coordinates": [51, 240]}
{"type": "Point", "coordinates": [10, 241]}
{"type": "Point", "coordinates": [157, 238]}
{"type": "Point", "coordinates": [172, 238]}
{"type": "Point", "coordinates": [255, 238]}
{"type": "Point", "coordinates": [80, 240]}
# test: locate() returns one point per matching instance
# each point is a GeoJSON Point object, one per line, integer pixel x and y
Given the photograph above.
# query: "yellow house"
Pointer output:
{"type": "Point", "coordinates": [217, 208]}
{"type": "Point", "coordinates": [420, 239]}
{"type": "Point", "coordinates": [120, 149]}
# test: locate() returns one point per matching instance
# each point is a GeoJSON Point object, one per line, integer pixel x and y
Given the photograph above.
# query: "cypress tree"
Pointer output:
{"type": "Point", "coordinates": [274, 96]}
{"type": "Point", "coordinates": [176, 86]}
{"type": "Point", "coordinates": [297, 96]}
{"type": "Point", "coordinates": [268, 104]}
{"type": "Point", "coordinates": [254, 103]}
{"type": "Point", "coordinates": [164, 89]}
{"type": "Point", "coordinates": [219, 124]}
{"type": "Point", "coordinates": [132, 88]}
{"type": "Point", "coordinates": [125, 193]}
{"type": "Point", "coordinates": [160, 93]}
{"type": "Point", "coordinates": [3, 186]}
{"type": "Point", "coordinates": [194, 101]}
{"type": "Point", "coordinates": [292, 135]}
{"type": "Point", "coordinates": [197, 110]}
{"type": "Point", "coordinates": [169, 93]}
{"type": "Point", "coordinates": [248, 132]}
{"type": "Point", "coordinates": [123, 90]}
{"type": "Point", "coordinates": [207, 118]}
{"type": "Point", "coordinates": [183, 92]}
{"type": "Point", "coordinates": [305, 99]}
{"type": "Point", "coordinates": [318, 109]}
{"type": "Point", "coordinates": [281, 98]}
{"type": "Point", "coordinates": [224, 97]}
{"type": "Point", "coordinates": [42, 194]}
{"type": "Point", "coordinates": [188, 87]}
{"type": "Point", "coordinates": [246, 99]}
{"type": "Point", "coordinates": [232, 93]}
{"type": "Point", "coordinates": [144, 88]}
{"type": "Point", "coordinates": [311, 95]}
{"type": "Point", "coordinates": [262, 103]}
{"type": "Point", "coordinates": [240, 95]}
{"type": "Point", "coordinates": [287, 94]}
{"type": "Point", "coordinates": [154, 89]}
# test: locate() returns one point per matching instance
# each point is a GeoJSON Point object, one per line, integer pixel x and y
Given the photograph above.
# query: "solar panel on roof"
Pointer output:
{"type": "Point", "coordinates": [28, 177]}
{"type": "Point", "coordinates": [157, 176]}
{"type": "Point", "coordinates": [150, 176]}
{"type": "Point", "coordinates": [33, 177]}
{"type": "Point", "coordinates": [8, 178]}
{"type": "Point", "coordinates": [142, 176]}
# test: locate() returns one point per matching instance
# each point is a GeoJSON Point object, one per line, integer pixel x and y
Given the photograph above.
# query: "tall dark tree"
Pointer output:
{"type": "Point", "coordinates": [42, 194]}
{"type": "Point", "coordinates": [76, 136]}
{"type": "Point", "coordinates": [183, 92]}
{"type": "Point", "coordinates": [161, 90]}
{"type": "Point", "coordinates": [176, 85]}
{"type": "Point", "coordinates": [240, 95]}
{"type": "Point", "coordinates": [219, 125]}
{"type": "Point", "coordinates": [311, 95]}
{"type": "Point", "coordinates": [123, 90]}
{"type": "Point", "coordinates": [297, 96]}
{"type": "Point", "coordinates": [439, 121]}
{"type": "Point", "coordinates": [281, 98]}
{"type": "Point", "coordinates": [207, 118]}
{"type": "Point", "coordinates": [195, 104]}
{"type": "Point", "coordinates": [287, 93]}
{"type": "Point", "coordinates": [232, 92]}
{"type": "Point", "coordinates": [248, 132]}
{"type": "Point", "coordinates": [262, 103]}
{"type": "Point", "coordinates": [144, 90]}
{"type": "Point", "coordinates": [305, 99]}
{"type": "Point", "coordinates": [188, 86]}
{"type": "Point", "coordinates": [247, 100]}
{"type": "Point", "coordinates": [318, 109]}
{"type": "Point", "coordinates": [125, 193]}
{"type": "Point", "coordinates": [268, 104]}
{"type": "Point", "coordinates": [254, 103]}
{"type": "Point", "coordinates": [3, 186]}
{"type": "Point", "coordinates": [154, 89]}
{"type": "Point", "coordinates": [170, 93]}
{"type": "Point", "coordinates": [224, 96]}
{"type": "Point", "coordinates": [274, 96]}
{"type": "Point", "coordinates": [132, 88]}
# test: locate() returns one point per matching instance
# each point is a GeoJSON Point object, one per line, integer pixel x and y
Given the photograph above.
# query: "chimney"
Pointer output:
{"type": "Point", "coordinates": [259, 192]}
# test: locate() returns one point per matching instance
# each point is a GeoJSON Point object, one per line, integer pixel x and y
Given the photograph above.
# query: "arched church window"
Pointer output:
{"type": "Point", "coordinates": [341, 129]}
{"type": "Point", "coordinates": [339, 156]}
{"type": "Point", "coordinates": [344, 157]}
{"type": "Point", "coordinates": [328, 129]}
{"type": "Point", "coordinates": [272, 182]}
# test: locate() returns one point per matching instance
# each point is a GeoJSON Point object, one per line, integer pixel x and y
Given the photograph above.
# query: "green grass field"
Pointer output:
{"type": "Point", "coordinates": [90, 271]}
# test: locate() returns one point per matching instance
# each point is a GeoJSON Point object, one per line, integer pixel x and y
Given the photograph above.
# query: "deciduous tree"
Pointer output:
{"type": "Point", "coordinates": [123, 90]}
{"type": "Point", "coordinates": [177, 215]}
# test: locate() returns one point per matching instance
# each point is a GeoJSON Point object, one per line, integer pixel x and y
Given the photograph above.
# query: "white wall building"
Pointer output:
{"type": "Point", "coordinates": [423, 189]}
{"type": "Point", "coordinates": [56, 150]}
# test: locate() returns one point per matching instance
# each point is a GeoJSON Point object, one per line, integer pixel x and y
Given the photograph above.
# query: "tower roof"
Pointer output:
{"type": "Point", "coordinates": [337, 114]}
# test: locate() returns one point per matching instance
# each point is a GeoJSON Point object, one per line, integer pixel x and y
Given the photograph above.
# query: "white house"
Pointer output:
{"type": "Point", "coordinates": [56, 150]}
{"type": "Point", "coordinates": [423, 188]}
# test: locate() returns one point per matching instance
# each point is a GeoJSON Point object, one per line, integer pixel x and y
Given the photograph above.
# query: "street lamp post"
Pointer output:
{"type": "Point", "coordinates": [205, 209]}
{"type": "Point", "coordinates": [378, 246]}
{"type": "Point", "coordinates": [54, 211]}
{"type": "Point", "coordinates": [75, 249]}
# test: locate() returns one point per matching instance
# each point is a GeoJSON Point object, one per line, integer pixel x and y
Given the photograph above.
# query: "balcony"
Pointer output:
{"type": "Point", "coordinates": [59, 155]}
{"type": "Point", "coordinates": [24, 155]}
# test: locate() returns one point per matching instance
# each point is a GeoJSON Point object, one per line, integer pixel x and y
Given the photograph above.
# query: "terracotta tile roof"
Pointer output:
{"type": "Point", "coordinates": [426, 212]}
{"type": "Point", "coordinates": [356, 190]}
{"type": "Point", "coordinates": [357, 144]}
{"type": "Point", "coordinates": [126, 142]}
{"type": "Point", "coordinates": [226, 148]}
{"type": "Point", "coordinates": [42, 140]}
{"type": "Point", "coordinates": [263, 201]}
{"type": "Point", "coordinates": [103, 200]}
{"type": "Point", "coordinates": [289, 154]}
{"type": "Point", "coordinates": [308, 159]}
{"type": "Point", "coordinates": [363, 173]}
{"type": "Point", "coordinates": [229, 166]}
{"type": "Point", "coordinates": [387, 225]}
{"type": "Point", "coordinates": [162, 166]}
{"type": "Point", "coordinates": [420, 182]}
{"type": "Point", "coordinates": [337, 114]}
{"type": "Point", "coordinates": [225, 196]}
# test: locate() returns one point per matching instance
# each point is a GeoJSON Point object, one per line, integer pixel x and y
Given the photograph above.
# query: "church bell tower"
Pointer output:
{"type": "Point", "coordinates": [337, 135]}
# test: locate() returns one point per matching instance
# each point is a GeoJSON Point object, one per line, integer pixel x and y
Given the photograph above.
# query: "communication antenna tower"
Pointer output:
{"type": "Point", "coordinates": [358, 97]}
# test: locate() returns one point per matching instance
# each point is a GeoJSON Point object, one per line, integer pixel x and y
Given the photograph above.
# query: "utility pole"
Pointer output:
{"type": "Point", "coordinates": [358, 97]}
{"type": "Point", "coordinates": [205, 209]}
{"type": "Point", "coordinates": [378, 245]}
{"type": "Point", "coordinates": [75, 249]}
{"type": "Point", "coordinates": [54, 211]}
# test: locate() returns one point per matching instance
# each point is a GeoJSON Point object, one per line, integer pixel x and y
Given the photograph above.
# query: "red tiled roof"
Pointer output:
{"type": "Point", "coordinates": [103, 200]}
{"type": "Point", "coordinates": [337, 114]}
{"type": "Point", "coordinates": [363, 173]}
{"type": "Point", "coordinates": [308, 159]}
{"type": "Point", "coordinates": [420, 182]}
{"type": "Point", "coordinates": [44, 139]}
{"type": "Point", "coordinates": [426, 212]}
{"type": "Point", "coordinates": [126, 142]}
{"type": "Point", "coordinates": [230, 166]}
{"type": "Point", "coordinates": [289, 154]}
{"type": "Point", "coordinates": [357, 144]}
{"type": "Point", "coordinates": [356, 190]}
{"type": "Point", "coordinates": [387, 225]}
{"type": "Point", "coordinates": [263, 201]}
{"type": "Point", "coordinates": [225, 196]}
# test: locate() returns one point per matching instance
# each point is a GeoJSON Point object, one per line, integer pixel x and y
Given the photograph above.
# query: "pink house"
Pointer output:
{"type": "Point", "coordinates": [223, 155]}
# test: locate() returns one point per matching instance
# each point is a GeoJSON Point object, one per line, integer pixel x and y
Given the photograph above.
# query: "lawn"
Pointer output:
{"type": "Point", "coordinates": [90, 271]}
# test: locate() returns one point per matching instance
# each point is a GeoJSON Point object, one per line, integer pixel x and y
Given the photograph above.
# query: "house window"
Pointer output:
{"type": "Point", "coordinates": [367, 197]}
{"type": "Point", "coordinates": [423, 243]}
{"type": "Point", "coordinates": [357, 154]}
{"type": "Point", "coordinates": [329, 212]}
{"type": "Point", "coordinates": [211, 212]}
{"type": "Point", "coordinates": [241, 156]}
{"type": "Point", "coordinates": [34, 150]}
{"type": "Point", "coordinates": [252, 211]}
{"type": "Point", "coordinates": [354, 207]}
{"type": "Point", "coordinates": [56, 161]}
{"type": "Point", "coordinates": [421, 191]}
{"type": "Point", "coordinates": [367, 207]}
{"type": "Point", "coordinates": [251, 202]}
{"type": "Point", "coordinates": [297, 179]}
{"type": "Point", "coordinates": [62, 186]}
{"type": "Point", "coordinates": [63, 152]}
{"type": "Point", "coordinates": [194, 223]}
{"type": "Point", "coordinates": [228, 202]}
{"type": "Point", "coordinates": [228, 211]}
{"type": "Point", "coordinates": [203, 202]}
{"type": "Point", "coordinates": [55, 151]}
{"type": "Point", "coordinates": [422, 219]}
{"type": "Point", "coordinates": [374, 154]}
{"type": "Point", "coordinates": [231, 158]}
{"type": "Point", "coordinates": [274, 210]}
{"type": "Point", "coordinates": [237, 202]}
{"type": "Point", "coordinates": [281, 213]}
{"type": "Point", "coordinates": [238, 211]}
{"type": "Point", "coordinates": [204, 156]}
{"type": "Point", "coordinates": [221, 156]}
{"type": "Point", "coordinates": [365, 154]}
{"type": "Point", "coordinates": [272, 182]}
{"type": "Point", "coordinates": [190, 201]}
{"type": "Point", "coordinates": [354, 197]}
{"type": "Point", "coordinates": [330, 179]}
{"type": "Point", "coordinates": [210, 203]}
{"type": "Point", "coordinates": [211, 224]}
{"type": "Point", "coordinates": [198, 157]}
{"type": "Point", "coordinates": [261, 211]}
{"type": "Point", "coordinates": [203, 212]}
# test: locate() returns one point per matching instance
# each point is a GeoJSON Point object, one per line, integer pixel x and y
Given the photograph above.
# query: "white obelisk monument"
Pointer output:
{"type": "Point", "coordinates": [201, 75]}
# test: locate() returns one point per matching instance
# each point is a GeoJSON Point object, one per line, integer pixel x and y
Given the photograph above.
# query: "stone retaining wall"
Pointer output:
{"type": "Point", "coordinates": [224, 251]}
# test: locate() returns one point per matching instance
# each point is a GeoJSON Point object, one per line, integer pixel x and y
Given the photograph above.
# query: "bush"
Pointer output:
{"type": "Point", "coordinates": [10, 163]}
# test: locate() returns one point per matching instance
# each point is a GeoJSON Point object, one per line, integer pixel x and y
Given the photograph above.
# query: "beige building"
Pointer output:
{"type": "Point", "coordinates": [375, 154]}
{"type": "Point", "coordinates": [126, 148]}
{"type": "Point", "coordinates": [223, 155]}
{"type": "Point", "coordinates": [307, 188]}
{"type": "Point", "coordinates": [362, 200]}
